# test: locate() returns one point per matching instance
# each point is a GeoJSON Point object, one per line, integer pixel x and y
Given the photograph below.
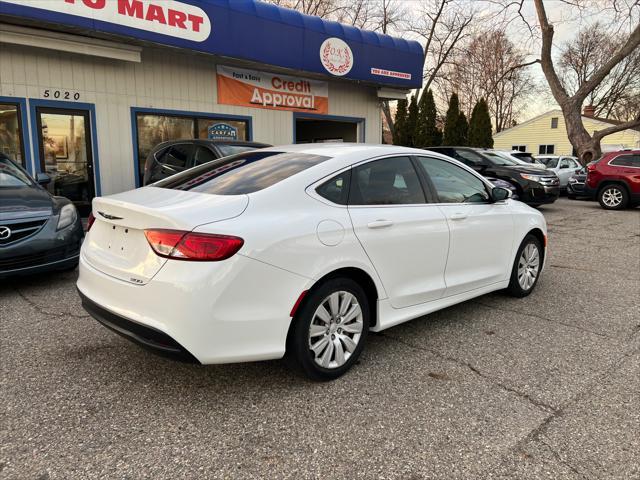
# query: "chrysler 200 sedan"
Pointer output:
{"type": "Point", "coordinates": [300, 251]}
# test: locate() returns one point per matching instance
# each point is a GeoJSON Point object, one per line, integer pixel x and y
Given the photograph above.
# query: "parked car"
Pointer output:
{"type": "Point", "coordinates": [563, 165]}
{"type": "Point", "coordinates": [38, 232]}
{"type": "Point", "coordinates": [512, 156]}
{"type": "Point", "coordinates": [302, 249]}
{"type": "Point", "coordinates": [614, 179]}
{"type": "Point", "coordinates": [576, 184]}
{"type": "Point", "coordinates": [534, 186]}
{"type": "Point", "coordinates": [175, 156]}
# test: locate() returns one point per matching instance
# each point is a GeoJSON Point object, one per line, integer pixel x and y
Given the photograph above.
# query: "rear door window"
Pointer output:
{"type": "Point", "coordinates": [389, 181]}
{"type": "Point", "coordinates": [243, 173]}
{"type": "Point", "coordinates": [626, 161]}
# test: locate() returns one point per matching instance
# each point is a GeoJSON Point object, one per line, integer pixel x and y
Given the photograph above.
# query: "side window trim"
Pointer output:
{"type": "Point", "coordinates": [428, 188]}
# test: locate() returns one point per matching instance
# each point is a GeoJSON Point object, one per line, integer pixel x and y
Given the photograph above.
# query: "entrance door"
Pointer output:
{"type": "Point", "coordinates": [324, 131]}
{"type": "Point", "coordinates": [65, 154]}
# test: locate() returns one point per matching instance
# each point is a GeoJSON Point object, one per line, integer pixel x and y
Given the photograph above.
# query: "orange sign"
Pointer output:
{"type": "Point", "coordinates": [251, 88]}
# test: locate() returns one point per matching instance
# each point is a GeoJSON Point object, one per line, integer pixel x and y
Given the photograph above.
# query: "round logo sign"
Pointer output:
{"type": "Point", "coordinates": [336, 56]}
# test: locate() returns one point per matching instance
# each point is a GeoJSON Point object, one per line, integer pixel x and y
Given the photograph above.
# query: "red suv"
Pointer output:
{"type": "Point", "coordinates": [614, 179]}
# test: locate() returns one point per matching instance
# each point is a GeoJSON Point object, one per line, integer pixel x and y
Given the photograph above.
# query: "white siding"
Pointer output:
{"type": "Point", "coordinates": [166, 79]}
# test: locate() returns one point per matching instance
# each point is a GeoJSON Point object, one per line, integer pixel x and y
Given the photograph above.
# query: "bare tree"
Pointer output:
{"type": "Point", "coordinates": [618, 96]}
{"type": "Point", "coordinates": [488, 66]}
{"type": "Point", "coordinates": [625, 25]}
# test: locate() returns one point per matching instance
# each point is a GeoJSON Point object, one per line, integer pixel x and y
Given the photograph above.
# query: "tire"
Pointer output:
{"type": "Point", "coordinates": [326, 363]}
{"type": "Point", "coordinates": [520, 284]}
{"type": "Point", "coordinates": [613, 197]}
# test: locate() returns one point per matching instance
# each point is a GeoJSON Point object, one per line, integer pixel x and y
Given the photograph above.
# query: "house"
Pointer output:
{"type": "Point", "coordinates": [547, 134]}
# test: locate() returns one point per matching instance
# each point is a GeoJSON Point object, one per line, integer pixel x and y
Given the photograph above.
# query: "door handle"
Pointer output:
{"type": "Point", "coordinates": [380, 224]}
{"type": "Point", "coordinates": [458, 216]}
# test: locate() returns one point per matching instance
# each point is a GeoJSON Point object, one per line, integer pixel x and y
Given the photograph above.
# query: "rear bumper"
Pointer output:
{"type": "Point", "coordinates": [236, 310]}
{"type": "Point", "coordinates": [145, 336]}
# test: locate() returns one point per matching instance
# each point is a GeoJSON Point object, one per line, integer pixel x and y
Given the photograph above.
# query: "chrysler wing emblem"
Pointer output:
{"type": "Point", "coordinates": [109, 217]}
{"type": "Point", "coordinates": [5, 233]}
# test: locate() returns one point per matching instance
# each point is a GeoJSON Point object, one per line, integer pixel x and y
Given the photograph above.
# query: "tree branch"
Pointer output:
{"type": "Point", "coordinates": [600, 134]}
{"type": "Point", "coordinates": [629, 46]}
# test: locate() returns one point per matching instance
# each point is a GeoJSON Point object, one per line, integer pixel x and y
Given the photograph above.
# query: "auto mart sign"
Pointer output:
{"type": "Point", "coordinates": [174, 18]}
{"type": "Point", "coordinates": [251, 88]}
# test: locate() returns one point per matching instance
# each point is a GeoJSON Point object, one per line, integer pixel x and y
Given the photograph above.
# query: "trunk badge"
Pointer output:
{"type": "Point", "coordinates": [110, 217]}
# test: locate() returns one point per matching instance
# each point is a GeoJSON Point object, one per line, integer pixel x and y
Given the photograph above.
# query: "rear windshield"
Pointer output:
{"type": "Point", "coordinates": [243, 173]}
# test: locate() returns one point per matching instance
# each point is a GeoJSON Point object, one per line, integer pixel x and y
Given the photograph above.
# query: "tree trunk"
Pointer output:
{"type": "Point", "coordinates": [587, 148]}
{"type": "Point", "coordinates": [386, 109]}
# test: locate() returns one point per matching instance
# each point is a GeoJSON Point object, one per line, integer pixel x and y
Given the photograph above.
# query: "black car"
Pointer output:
{"type": "Point", "coordinates": [38, 232]}
{"type": "Point", "coordinates": [575, 187]}
{"type": "Point", "coordinates": [534, 186]}
{"type": "Point", "coordinates": [174, 156]}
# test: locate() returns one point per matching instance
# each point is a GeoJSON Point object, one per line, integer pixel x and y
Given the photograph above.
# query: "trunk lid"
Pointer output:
{"type": "Point", "coordinates": [116, 244]}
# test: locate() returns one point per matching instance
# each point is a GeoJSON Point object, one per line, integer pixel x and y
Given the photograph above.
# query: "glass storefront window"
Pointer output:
{"type": "Point", "coordinates": [154, 129]}
{"type": "Point", "coordinates": [10, 132]}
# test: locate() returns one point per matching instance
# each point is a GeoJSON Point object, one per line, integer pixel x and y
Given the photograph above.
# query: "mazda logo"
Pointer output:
{"type": "Point", "coordinates": [5, 233]}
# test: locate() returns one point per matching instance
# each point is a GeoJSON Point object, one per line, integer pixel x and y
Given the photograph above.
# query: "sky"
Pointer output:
{"type": "Point", "coordinates": [566, 19]}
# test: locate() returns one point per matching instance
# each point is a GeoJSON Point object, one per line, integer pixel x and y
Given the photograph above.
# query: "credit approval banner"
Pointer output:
{"type": "Point", "coordinates": [252, 88]}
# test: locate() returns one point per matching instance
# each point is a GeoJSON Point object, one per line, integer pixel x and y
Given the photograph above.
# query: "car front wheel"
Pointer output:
{"type": "Point", "coordinates": [613, 197]}
{"type": "Point", "coordinates": [526, 267]}
{"type": "Point", "coordinates": [330, 329]}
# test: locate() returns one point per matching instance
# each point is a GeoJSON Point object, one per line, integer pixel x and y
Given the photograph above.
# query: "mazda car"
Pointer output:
{"type": "Point", "coordinates": [38, 232]}
{"type": "Point", "coordinates": [299, 251]}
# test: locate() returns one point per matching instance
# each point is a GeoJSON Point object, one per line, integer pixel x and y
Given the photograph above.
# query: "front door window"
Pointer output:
{"type": "Point", "coordinates": [66, 156]}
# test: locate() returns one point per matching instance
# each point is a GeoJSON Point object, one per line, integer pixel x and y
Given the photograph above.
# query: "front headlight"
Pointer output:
{"type": "Point", "coordinates": [528, 176]}
{"type": "Point", "coordinates": [68, 215]}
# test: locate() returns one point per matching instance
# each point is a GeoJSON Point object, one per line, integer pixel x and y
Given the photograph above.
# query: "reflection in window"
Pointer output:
{"type": "Point", "coordinates": [10, 132]}
{"type": "Point", "coordinates": [154, 129]}
{"type": "Point", "coordinates": [453, 184]}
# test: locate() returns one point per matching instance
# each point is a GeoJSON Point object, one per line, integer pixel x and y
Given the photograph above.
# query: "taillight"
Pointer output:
{"type": "Point", "coordinates": [181, 245]}
{"type": "Point", "coordinates": [591, 167]}
{"type": "Point", "coordinates": [90, 221]}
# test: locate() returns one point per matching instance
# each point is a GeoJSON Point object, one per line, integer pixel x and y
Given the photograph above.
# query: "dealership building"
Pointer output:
{"type": "Point", "coordinates": [89, 87]}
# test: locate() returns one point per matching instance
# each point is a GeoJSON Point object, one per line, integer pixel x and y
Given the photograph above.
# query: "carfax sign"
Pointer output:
{"type": "Point", "coordinates": [222, 131]}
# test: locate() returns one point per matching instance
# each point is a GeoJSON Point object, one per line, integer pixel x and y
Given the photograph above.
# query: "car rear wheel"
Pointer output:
{"type": "Point", "coordinates": [330, 329]}
{"type": "Point", "coordinates": [613, 197]}
{"type": "Point", "coordinates": [526, 267]}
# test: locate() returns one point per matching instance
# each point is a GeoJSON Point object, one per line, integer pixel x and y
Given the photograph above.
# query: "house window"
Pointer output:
{"type": "Point", "coordinates": [519, 148]}
{"type": "Point", "coordinates": [153, 129]}
{"type": "Point", "coordinates": [554, 122]}
{"type": "Point", "coordinates": [546, 149]}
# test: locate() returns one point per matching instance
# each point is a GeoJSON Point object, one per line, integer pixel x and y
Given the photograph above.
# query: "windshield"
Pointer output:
{"type": "Point", "coordinates": [241, 174]}
{"type": "Point", "coordinates": [227, 150]}
{"type": "Point", "coordinates": [550, 162]}
{"type": "Point", "coordinates": [498, 159]}
{"type": "Point", "coordinates": [11, 175]}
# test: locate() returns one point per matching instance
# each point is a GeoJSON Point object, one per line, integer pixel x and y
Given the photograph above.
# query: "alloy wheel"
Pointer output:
{"type": "Point", "coordinates": [335, 329]}
{"type": "Point", "coordinates": [528, 266]}
{"type": "Point", "coordinates": [612, 197]}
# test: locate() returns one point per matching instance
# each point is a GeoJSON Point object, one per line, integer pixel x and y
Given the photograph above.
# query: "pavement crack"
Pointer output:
{"type": "Point", "coordinates": [537, 403]}
{"type": "Point", "coordinates": [546, 319]}
{"type": "Point", "coordinates": [564, 462]}
{"type": "Point", "coordinates": [42, 310]}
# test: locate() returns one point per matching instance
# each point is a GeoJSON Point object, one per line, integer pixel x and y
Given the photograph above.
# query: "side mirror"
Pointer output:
{"type": "Point", "coordinates": [498, 194]}
{"type": "Point", "coordinates": [43, 179]}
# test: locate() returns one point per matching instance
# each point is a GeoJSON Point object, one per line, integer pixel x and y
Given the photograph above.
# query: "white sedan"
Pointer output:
{"type": "Point", "coordinates": [301, 250]}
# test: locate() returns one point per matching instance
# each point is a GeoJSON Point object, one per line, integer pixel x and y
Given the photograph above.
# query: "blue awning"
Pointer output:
{"type": "Point", "coordinates": [241, 29]}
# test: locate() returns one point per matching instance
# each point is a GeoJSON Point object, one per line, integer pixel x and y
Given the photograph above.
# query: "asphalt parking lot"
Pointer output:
{"type": "Point", "coordinates": [542, 387]}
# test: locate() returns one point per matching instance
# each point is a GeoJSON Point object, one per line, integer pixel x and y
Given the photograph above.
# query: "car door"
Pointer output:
{"type": "Point", "coordinates": [481, 231]}
{"type": "Point", "coordinates": [405, 237]}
